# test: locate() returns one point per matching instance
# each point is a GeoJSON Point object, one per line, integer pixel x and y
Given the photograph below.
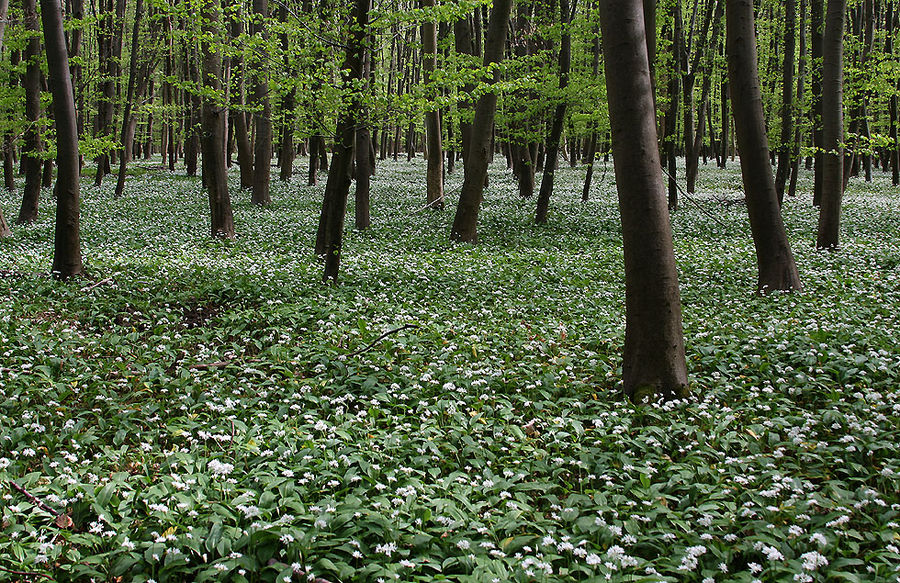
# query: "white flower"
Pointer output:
{"type": "Point", "coordinates": [218, 468]}
{"type": "Point", "coordinates": [813, 560]}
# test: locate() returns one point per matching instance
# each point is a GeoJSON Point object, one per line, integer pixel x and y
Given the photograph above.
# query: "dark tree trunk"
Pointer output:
{"type": "Point", "coordinates": [365, 163]}
{"type": "Point", "coordinates": [434, 178]}
{"type": "Point", "coordinates": [7, 167]}
{"type": "Point", "coordinates": [128, 120]}
{"type": "Point", "coordinates": [262, 145]}
{"type": "Point", "coordinates": [785, 148]}
{"type": "Point", "coordinates": [801, 88]}
{"type": "Point", "coordinates": [213, 119]}
{"type": "Point", "coordinates": [31, 161]}
{"type": "Point", "coordinates": [329, 239]}
{"type": "Point", "coordinates": [892, 106]}
{"type": "Point", "coordinates": [67, 239]}
{"type": "Point", "coordinates": [192, 107]}
{"type": "Point", "coordinates": [817, 42]}
{"type": "Point", "coordinates": [592, 149]}
{"type": "Point", "coordinates": [774, 260]}
{"type": "Point", "coordinates": [559, 115]}
{"type": "Point", "coordinates": [465, 45]}
{"type": "Point", "coordinates": [315, 143]}
{"type": "Point", "coordinates": [465, 222]}
{"type": "Point", "coordinates": [670, 123]}
{"type": "Point", "coordinates": [832, 126]}
{"type": "Point", "coordinates": [109, 43]}
{"type": "Point", "coordinates": [726, 123]}
{"type": "Point", "coordinates": [288, 103]}
{"type": "Point", "coordinates": [238, 115]}
{"type": "Point", "coordinates": [653, 360]}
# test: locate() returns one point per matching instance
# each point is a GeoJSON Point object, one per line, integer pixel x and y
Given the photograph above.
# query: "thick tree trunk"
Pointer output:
{"type": "Point", "coordinates": [31, 162]}
{"type": "Point", "coordinates": [213, 118]}
{"type": "Point", "coordinates": [465, 222]}
{"type": "Point", "coordinates": [67, 239]}
{"type": "Point", "coordinates": [774, 260]}
{"type": "Point", "coordinates": [262, 145]}
{"type": "Point", "coordinates": [653, 361]}
{"type": "Point", "coordinates": [434, 178]}
{"type": "Point", "coordinates": [832, 126]}
{"type": "Point", "coordinates": [329, 239]}
{"type": "Point", "coordinates": [559, 115]}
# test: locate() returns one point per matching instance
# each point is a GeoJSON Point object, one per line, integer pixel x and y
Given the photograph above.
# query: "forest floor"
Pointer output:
{"type": "Point", "coordinates": [200, 409]}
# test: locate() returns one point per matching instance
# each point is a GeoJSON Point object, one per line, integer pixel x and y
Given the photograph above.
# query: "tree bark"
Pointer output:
{"type": "Point", "coordinates": [109, 43]}
{"type": "Point", "coordinates": [4, 227]}
{"type": "Point", "coordinates": [434, 178]}
{"type": "Point", "coordinates": [653, 361]}
{"type": "Point", "coordinates": [785, 147]}
{"type": "Point", "coordinates": [329, 239]}
{"type": "Point", "coordinates": [774, 260]}
{"type": "Point", "coordinates": [832, 126]}
{"type": "Point", "coordinates": [128, 120]}
{"type": "Point", "coordinates": [465, 222]}
{"type": "Point", "coordinates": [67, 260]}
{"type": "Point", "coordinates": [262, 145]}
{"type": "Point", "coordinates": [559, 114]}
{"type": "Point", "coordinates": [288, 103]}
{"type": "Point", "coordinates": [213, 118]}
{"type": "Point", "coordinates": [816, 46]}
{"type": "Point", "coordinates": [31, 161]}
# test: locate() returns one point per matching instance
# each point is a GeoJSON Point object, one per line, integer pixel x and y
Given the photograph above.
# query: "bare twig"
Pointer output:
{"type": "Point", "coordinates": [209, 365]}
{"type": "Point", "coordinates": [34, 499]}
{"type": "Point", "coordinates": [25, 573]}
{"type": "Point", "coordinates": [694, 202]}
{"type": "Point", "coordinates": [382, 337]}
{"type": "Point", "coordinates": [98, 284]}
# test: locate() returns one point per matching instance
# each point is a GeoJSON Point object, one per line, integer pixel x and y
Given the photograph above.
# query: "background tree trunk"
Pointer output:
{"type": "Point", "coordinates": [213, 119]}
{"type": "Point", "coordinates": [774, 260]}
{"type": "Point", "coordinates": [559, 114]}
{"type": "Point", "coordinates": [653, 360]}
{"type": "Point", "coordinates": [4, 227]}
{"type": "Point", "coordinates": [31, 162]}
{"type": "Point", "coordinates": [465, 221]}
{"type": "Point", "coordinates": [435, 170]}
{"type": "Point", "coordinates": [262, 145]}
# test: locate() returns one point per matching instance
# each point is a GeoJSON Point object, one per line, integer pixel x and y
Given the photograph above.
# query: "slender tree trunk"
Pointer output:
{"type": "Point", "coordinates": [329, 240]}
{"type": "Point", "coordinates": [31, 162]}
{"type": "Point", "coordinates": [4, 227]}
{"type": "Point", "coordinates": [559, 115]}
{"type": "Point", "coordinates": [653, 359]}
{"type": "Point", "coordinates": [363, 150]}
{"type": "Point", "coordinates": [892, 106]}
{"type": "Point", "coordinates": [592, 150]}
{"type": "Point", "coordinates": [213, 119]}
{"type": "Point", "coordinates": [435, 171]}
{"type": "Point", "coordinates": [465, 222]}
{"type": "Point", "coordinates": [671, 116]}
{"type": "Point", "coordinates": [465, 45]}
{"type": "Point", "coordinates": [192, 108]}
{"type": "Point", "coordinates": [817, 42]}
{"type": "Point", "coordinates": [774, 260]}
{"type": "Point", "coordinates": [288, 103]}
{"type": "Point", "coordinates": [128, 119]}
{"type": "Point", "coordinates": [832, 126]}
{"type": "Point", "coordinates": [262, 146]}
{"type": "Point", "coordinates": [67, 239]}
{"type": "Point", "coordinates": [726, 123]}
{"type": "Point", "coordinates": [801, 89]}
{"type": "Point", "coordinates": [785, 147]}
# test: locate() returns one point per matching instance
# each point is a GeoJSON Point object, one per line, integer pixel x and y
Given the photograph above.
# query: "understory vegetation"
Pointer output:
{"type": "Point", "coordinates": [200, 409]}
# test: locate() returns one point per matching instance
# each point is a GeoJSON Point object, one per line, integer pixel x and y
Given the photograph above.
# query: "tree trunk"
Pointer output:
{"type": "Point", "coordinates": [653, 360]}
{"type": "Point", "coordinates": [832, 126]}
{"type": "Point", "coordinates": [801, 84]}
{"type": "Point", "coordinates": [109, 43]}
{"type": "Point", "coordinates": [363, 150]}
{"type": "Point", "coordinates": [670, 123]}
{"type": "Point", "coordinates": [4, 227]}
{"type": "Point", "coordinates": [213, 118]}
{"type": "Point", "coordinates": [465, 45]}
{"type": "Point", "coordinates": [785, 148]}
{"type": "Point", "coordinates": [774, 260]}
{"type": "Point", "coordinates": [288, 103]}
{"type": "Point", "coordinates": [128, 119]}
{"type": "Point", "coordinates": [67, 239]}
{"type": "Point", "coordinates": [434, 179]}
{"type": "Point", "coordinates": [465, 222]}
{"type": "Point", "coordinates": [329, 239]}
{"type": "Point", "coordinates": [262, 145]}
{"type": "Point", "coordinates": [31, 162]}
{"type": "Point", "coordinates": [817, 41]}
{"type": "Point", "coordinates": [559, 115]}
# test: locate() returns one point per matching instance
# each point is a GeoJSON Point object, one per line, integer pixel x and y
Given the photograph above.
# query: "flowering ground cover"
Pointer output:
{"type": "Point", "coordinates": [207, 410]}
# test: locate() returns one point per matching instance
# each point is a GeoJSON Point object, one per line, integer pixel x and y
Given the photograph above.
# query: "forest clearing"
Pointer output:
{"type": "Point", "coordinates": [207, 409]}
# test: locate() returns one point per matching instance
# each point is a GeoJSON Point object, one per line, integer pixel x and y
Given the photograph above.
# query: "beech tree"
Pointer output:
{"type": "Point", "coordinates": [31, 163]}
{"type": "Point", "coordinates": [832, 126]}
{"type": "Point", "coordinates": [67, 239]}
{"type": "Point", "coordinates": [435, 172]}
{"type": "Point", "coordinates": [465, 221]}
{"type": "Point", "coordinates": [653, 360]}
{"type": "Point", "coordinates": [4, 7]}
{"type": "Point", "coordinates": [262, 120]}
{"type": "Point", "coordinates": [774, 259]}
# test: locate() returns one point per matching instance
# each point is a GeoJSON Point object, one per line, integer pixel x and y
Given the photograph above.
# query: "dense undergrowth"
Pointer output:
{"type": "Point", "coordinates": [194, 409]}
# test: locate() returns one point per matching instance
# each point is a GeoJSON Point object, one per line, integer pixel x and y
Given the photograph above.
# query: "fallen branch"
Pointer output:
{"type": "Point", "coordinates": [209, 365]}
{"type": "Point", "coordinates": [34, 499]}
{"type": "Point", "coordinates": [382, 337]}
{"type": "Point", "coordinates": [98, 284]}
{"type": "Point", "coordinates": [695, 203]}
{"type": "Point", "coordinates": [25, 573]}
